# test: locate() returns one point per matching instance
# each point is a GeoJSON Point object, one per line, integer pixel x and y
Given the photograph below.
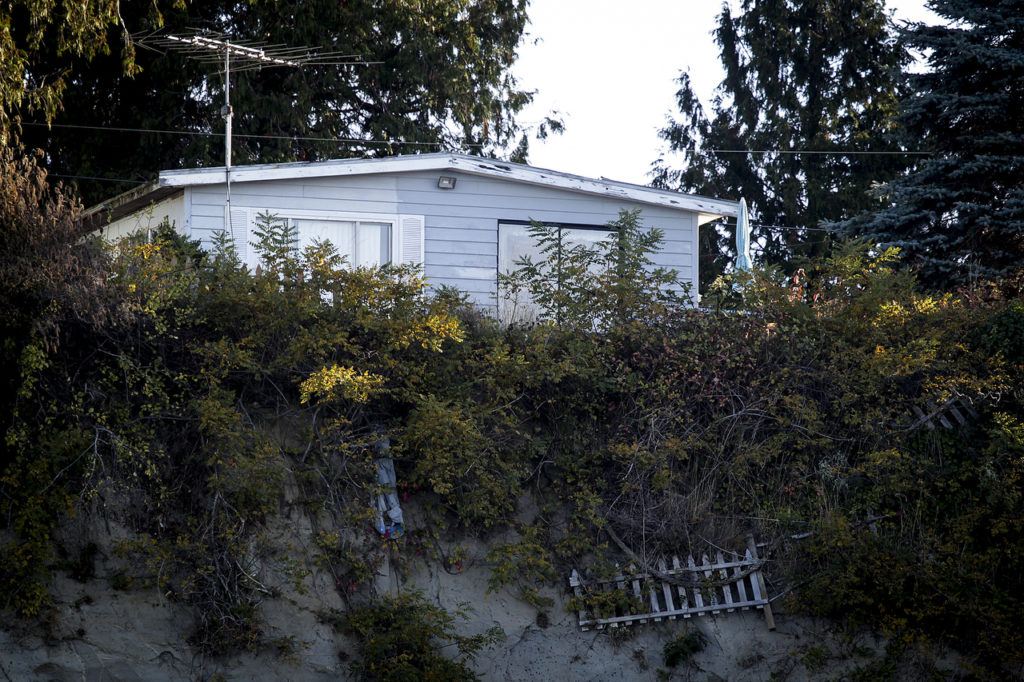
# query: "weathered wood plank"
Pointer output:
{"type": "Point", "coordinates": [652, 595]}
{"type": "Point", "coordinates": [636, 591]}
{"type": "Point", "coordinates": [698, 598]}
{"type": "Point", "coordinates": [754, 585]}
{"type": "Point", "coordinates": [698, 569]}
{"type": "Point", "coordinates": [757, 580]}
{"type": "Point", "coordinates": [957, 415]}
{"type": "Point", "coordinates": [666, 590]}
{"type": "Point", "coordinates": [939, 415]}
{"type": "Point", "coordinates": [712, 591]}
{"type": "Point", "coordinates": [968, 408]}
{"type": "Point", "coordinates": [684, 599]}
{"type": "Point", "coordinates": [625, 620]}
{"type": "Point", "coordinates": [740, 587]}
{"type": "Point", "coordinates": [723, 574]}
{"type": "Point", "coordinates": [919, 413]}
{"type": "Point", "coordinates": [576, 583]}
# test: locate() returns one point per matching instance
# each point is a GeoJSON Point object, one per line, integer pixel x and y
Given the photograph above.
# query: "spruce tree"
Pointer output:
{"type": "Point", "coordinates": [959, 215]}
{"type": "Point", "coordinates": [800, 76]}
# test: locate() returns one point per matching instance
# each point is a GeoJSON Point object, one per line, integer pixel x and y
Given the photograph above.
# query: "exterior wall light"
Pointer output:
{"type": "Point", "coordinates": [446, 182]}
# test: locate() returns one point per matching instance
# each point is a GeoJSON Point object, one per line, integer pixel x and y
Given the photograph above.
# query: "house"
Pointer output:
{"type": "Point", "coordinates": [464, 218]}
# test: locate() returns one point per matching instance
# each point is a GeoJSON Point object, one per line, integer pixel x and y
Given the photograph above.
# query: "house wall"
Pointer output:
{"type": "Point", "coordinates": [172, 209]}
{"type": "Point", "coordinates": [461, 246]}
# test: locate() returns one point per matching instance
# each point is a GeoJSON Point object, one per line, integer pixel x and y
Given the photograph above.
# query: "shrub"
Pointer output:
{"type": "Point", "coordinates": [684, 647]}
{"type": "Point", "coordinates": [402, 637]}
{"type": "Point", "coordinates": [183, 393]}
{"type": "Point", "coordinates": [526, 564]}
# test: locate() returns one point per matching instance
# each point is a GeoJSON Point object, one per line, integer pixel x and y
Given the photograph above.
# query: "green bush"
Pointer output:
{"type": "Point", "coordinates": [526, 564]}
{"type": "Point", "coordinates": [684, 647]}
{"type": "Point", "coordinates": [402, 638]}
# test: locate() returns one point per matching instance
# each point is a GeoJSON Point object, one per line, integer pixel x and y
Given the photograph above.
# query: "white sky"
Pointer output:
{"type": "Point", "coordinates": [609, 67]}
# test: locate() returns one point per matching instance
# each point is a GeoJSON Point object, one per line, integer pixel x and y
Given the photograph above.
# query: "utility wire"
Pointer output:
{"type": "Point", "coordinates": [793, 227]}
{"type": "Point", "coordinates": [784, 227]}
{"type": "Point", "coordinates": [357, 140]}
{"type": "Point", "coordinates": [201, 133]}
{"type": "Point", "coordinates": [839, 152]}
{"type": "Point", "coordinates": [93, 177]}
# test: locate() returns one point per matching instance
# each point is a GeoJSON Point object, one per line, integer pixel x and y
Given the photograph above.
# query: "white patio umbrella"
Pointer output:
{"type": "Point", "coordinates": [743, 261]}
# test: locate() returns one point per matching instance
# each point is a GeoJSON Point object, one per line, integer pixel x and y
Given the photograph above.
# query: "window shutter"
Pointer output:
{"type": "Point", "coordinates": [410, 240]}
{"type": "Point", "coordinates": [238, 224]}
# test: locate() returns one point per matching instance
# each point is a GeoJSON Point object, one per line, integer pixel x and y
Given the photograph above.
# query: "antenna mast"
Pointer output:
{"type": "Point", "coordinates": [211, 48]}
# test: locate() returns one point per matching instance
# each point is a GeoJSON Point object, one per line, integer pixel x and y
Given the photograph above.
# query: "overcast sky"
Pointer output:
{"type": "Point", "coordinates": [609, 67]}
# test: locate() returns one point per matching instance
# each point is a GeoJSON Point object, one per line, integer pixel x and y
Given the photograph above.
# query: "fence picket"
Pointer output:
{"type": "Point", "coordinates": [740, 587]}
{"type": "Point", "coordinates": [636, 590]}
{"type": "Point", "coordinates": [574, 582]}
{"type": "Point", "coordinates": [652, 595]}
{"type": "Point", "coordinates": [698, 598]}
{"type": "Point", "coordinates": [723, 575]}
{"type": "Point", "coordinates": [756, 579]}
{"type": "Point", "coordinates": [709, 576]}
{"type": "Point", "coordinates": [684, 599]}
{"type": "Point", "coordinates": [666, 590]}
{"type": "Point", "coordinates": [755, 588]}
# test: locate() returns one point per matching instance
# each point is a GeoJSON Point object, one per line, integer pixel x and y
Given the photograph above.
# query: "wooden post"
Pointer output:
{"type": "Point", "coordinates": [769, 618]}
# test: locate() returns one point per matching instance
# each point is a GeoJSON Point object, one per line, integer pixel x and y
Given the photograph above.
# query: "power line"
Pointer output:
{"type": "Point", "coordinates": [792, 227]}
{"type": "Point", "coordinates": [93, 177]}
{"type": "Point", "coordinates": [784, 227]}
{"type": "Point", "coordinates": [838, 152]}
{"type": "Point", "coordinates": [203, 133]}
{"type": "Point", "coordinates": [413, 143]}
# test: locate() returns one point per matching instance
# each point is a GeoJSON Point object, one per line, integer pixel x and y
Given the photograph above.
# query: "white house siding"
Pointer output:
{"type": "Point", "coordinates": [171, 209]}
{"type": "Point", "coordinates": [461, 244]}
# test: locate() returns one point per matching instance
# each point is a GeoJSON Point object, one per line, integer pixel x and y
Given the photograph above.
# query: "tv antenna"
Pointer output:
{"type": "Point", "coordinates": [238, 56]}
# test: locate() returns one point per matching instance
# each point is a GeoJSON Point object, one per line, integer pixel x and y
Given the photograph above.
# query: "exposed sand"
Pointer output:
{"type": "Point", "coordinates": [105, 634]}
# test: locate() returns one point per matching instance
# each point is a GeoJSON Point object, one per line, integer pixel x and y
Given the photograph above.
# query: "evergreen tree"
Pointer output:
{"type": "Point", "coordinates": [800, 76]}
{"type": "Point", "coordinates": [69, 32]}
{"type": "Point", "coordinates": [959, 214]}
{"type": "Point", "coordinates": [444, 81]}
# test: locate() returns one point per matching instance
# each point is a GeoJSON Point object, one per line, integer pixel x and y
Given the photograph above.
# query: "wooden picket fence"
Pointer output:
{"type": "Point", "coordinates": [955, 413]}
{"type": "Point", "coordinates": [691, 589]}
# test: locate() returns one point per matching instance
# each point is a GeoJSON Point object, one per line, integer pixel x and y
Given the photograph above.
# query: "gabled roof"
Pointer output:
{"type": "Point", "coordinates": [444, 161]}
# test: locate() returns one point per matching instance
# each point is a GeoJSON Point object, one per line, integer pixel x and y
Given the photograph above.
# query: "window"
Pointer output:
{"type": "Point", "coordinates": [515, 243]}
{"type": "Point", "coordinates": [366, 239]}
{"type": "Point", "coordinates": [364, 243]}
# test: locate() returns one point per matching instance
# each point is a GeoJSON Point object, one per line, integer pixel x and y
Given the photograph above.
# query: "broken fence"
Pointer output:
{"type": "Point", "coordinates": [685, 590]}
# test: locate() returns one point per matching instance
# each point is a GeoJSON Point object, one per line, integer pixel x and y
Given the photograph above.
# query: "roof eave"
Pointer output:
{"type": "Point", "coordinates": [573, 183]}
{"type": "Point", "coordinates": [471, 165]}
{"type": "Point", "coordinates": [129, 202]}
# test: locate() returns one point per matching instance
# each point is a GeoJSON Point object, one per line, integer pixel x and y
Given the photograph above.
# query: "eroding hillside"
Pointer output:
{"type": "Point", "coordinates": [191, 451]}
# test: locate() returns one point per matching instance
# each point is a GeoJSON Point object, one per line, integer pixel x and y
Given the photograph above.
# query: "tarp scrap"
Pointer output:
{"type": "Point", "coordinates": [390, 523]}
